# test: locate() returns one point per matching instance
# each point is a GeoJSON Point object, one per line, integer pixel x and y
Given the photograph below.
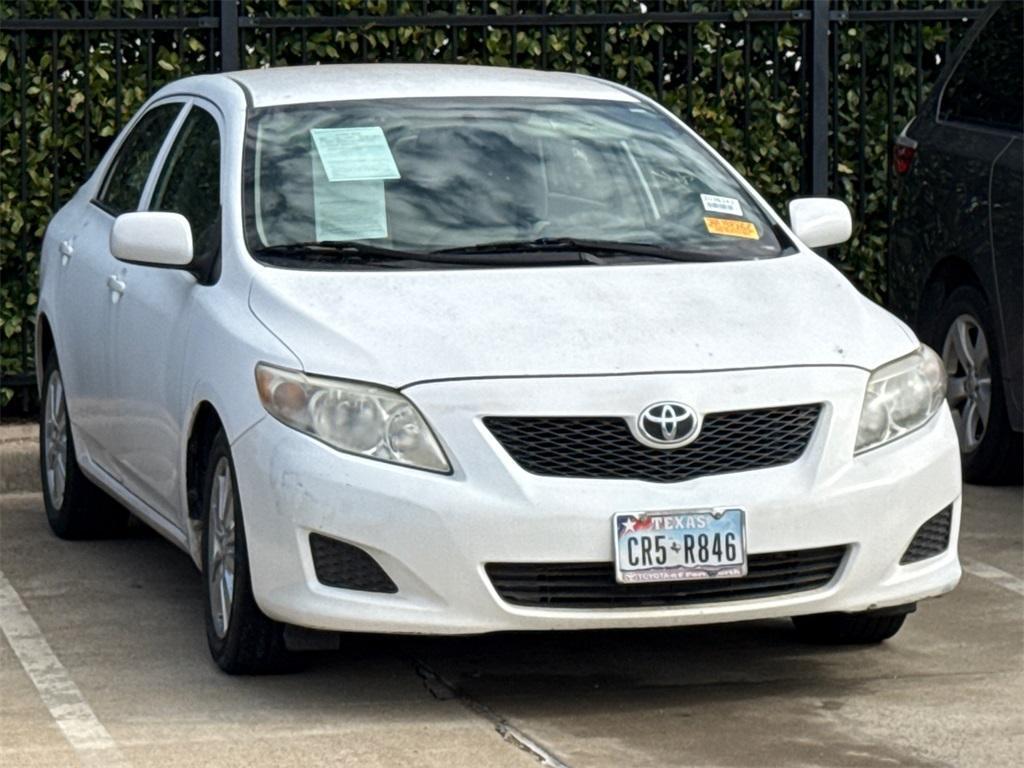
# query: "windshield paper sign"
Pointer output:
{"type": "Point", "coordinates": [355, 154]}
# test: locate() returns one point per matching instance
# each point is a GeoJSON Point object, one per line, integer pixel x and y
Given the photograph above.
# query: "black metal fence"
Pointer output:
{"type": "Point", "coordinates": [803, 96]}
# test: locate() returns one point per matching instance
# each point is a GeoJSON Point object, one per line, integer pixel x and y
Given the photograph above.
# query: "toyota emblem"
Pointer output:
{"type": "Point", "coordinates": [668, 425]}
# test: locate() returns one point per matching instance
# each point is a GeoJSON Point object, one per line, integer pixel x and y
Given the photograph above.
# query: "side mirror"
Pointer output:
{"type": "Point", "coordinates": [152, 238]}
{"type": "Point", "coordinates": [820, 221]}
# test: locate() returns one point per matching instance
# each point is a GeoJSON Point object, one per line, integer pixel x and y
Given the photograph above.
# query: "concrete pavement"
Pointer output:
{"type": "Point", "coordinates": [19, 457]}
{"type": "Point", "coordinates": [123, 620]}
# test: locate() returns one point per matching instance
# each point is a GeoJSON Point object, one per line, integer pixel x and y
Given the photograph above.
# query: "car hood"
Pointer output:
{"type": "Point", "coordinates": [397, 327]}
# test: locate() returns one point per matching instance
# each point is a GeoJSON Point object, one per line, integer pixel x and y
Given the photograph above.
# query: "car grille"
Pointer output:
{"type": "Point", "coordinates": [593, 585]}
{"type": "Point", "coordinates": [605, 447]}
{"type": "Point", "coordinates": [338, 564]}
{"type": "Point", "coordinates": [931, 539]}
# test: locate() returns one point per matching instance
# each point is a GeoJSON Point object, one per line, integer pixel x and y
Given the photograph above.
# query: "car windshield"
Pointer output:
{"type": "Point", "coordinates": [488, 177]}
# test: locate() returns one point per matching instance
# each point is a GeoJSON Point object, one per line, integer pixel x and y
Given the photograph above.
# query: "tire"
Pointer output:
{"type": "Point", "coordinates": [962, 334]}
{"type": "Point", "coordinates": [867, 628]}
{"type": "Point", "coordinates": [242, 639]}
{"type": "Point", "coordinates": [75, 507]}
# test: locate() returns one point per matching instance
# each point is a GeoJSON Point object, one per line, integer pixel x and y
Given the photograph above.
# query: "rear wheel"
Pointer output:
{"type": "Point", "coordinates": [962, 334]}
{"type": "Point", "coordinates": [242, 639]}
{"type": "Point", "coordinates": [866, 628]}
{"type": "Point", "coordinates": [75, 508]}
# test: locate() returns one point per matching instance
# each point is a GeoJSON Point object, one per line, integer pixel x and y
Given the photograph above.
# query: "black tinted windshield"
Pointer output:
{"type": "Point", "coordinates": [421, 175]}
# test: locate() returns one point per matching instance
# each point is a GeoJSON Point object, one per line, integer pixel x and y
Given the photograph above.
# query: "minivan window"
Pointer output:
{"type": "Point", "coordinates": [189, 183]}
{"type": "Point", "coordinates": [986, 87]}
{"type": "Point", "coordinates": [130, 168]}
{"type": "Point", "coordinates": [424, 175]}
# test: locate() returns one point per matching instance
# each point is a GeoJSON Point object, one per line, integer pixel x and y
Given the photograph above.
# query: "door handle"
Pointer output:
{"type": "Point", "coordinates": [117, 287]}
{"type": "Point", "coordinates": [67, 250]}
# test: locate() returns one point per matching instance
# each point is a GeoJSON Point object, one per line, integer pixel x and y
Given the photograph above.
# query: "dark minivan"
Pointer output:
{"type": "Point", "coordinates": [957, 245]}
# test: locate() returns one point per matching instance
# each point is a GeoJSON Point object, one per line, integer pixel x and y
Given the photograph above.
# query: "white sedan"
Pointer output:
{"type": "Point", "coordinates": [445, 349]}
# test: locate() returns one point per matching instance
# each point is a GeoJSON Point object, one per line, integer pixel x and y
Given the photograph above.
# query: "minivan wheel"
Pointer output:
{"type": "Point", "coordinates": [990, 450]}
{"type": "Point", "coordinates": [242, 639]}
{"type": "Point", "coordinates": [868, 628]}
{"type": "Point", "coordinates": [75, 508]}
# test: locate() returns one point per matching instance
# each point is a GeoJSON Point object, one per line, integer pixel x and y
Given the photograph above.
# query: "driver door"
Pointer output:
{"type": "Point", "coordinates": [153, 319]}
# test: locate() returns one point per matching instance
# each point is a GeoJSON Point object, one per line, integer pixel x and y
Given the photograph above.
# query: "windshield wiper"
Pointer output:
{"type": "Point", "coordinates": [338, 250]}
{"type": "Point", "coordinates": [345, 251]}
{"type": "Point", "coordinates": [578, 245]}
{"type": "Point", "coordinates": [542, 251]}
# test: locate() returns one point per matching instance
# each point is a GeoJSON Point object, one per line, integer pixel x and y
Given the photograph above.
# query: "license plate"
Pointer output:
{"type": "Point", "coordinates": [678, 546]}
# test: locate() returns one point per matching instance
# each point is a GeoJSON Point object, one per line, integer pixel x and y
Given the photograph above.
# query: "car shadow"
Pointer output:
{"type": "Point", "coordinates": [546, 672]}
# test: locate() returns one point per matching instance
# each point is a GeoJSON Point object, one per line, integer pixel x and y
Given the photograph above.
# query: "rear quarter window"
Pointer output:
{"type": "Point", "coordinates": [985, 88]}
{"type": "Point", "coordinates": [122, 186]}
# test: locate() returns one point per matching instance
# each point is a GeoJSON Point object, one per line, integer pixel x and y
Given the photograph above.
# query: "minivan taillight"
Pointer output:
{"type": "Point", "coordinates": [903, 154]}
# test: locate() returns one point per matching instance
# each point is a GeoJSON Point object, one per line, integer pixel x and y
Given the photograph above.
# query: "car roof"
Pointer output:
{"type": "Point", "coordinates": [350, 82]}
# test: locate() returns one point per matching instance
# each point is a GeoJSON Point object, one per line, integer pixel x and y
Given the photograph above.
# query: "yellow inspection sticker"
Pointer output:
{"type": "Point", "coordinates": [731, 227]}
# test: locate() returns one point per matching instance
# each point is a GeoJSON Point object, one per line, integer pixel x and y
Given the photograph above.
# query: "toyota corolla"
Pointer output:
{"type": "Point", "coordinates": [444, 349]}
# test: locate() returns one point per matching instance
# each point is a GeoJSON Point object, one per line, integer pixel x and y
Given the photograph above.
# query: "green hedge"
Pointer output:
{"type": "Point", "coordinates": [742, 85]}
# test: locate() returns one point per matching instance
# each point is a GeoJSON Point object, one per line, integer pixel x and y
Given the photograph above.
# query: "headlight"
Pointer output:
{"type": "Point", "coordinates": [355, 418]}
{"type": "Point", "coordinates": [901, 396]}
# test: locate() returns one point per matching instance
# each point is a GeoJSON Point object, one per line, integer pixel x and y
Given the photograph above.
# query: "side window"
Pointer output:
{"type": "Point", "coordinates": [127, 175]}
{"type": "Point", "coordinates": [985, 89]}
{"type": "Point", "coordinates": [189, 182]}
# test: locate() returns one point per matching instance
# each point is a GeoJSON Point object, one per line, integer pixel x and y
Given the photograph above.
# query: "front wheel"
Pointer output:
{"type": "Point", "coordinates": [242, 639]}
{"type": "Point", "coordinates": [867, 628]}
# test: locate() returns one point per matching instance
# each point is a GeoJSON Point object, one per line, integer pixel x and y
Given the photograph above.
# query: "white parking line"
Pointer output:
{"type": "Point", "coordinates": [993, 574]}
{"type": "Point", "coordinates": [69, 709]}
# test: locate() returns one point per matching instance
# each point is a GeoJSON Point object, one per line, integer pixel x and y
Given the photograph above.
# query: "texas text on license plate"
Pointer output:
{"type": "Point", "coordinates": [676, 546]}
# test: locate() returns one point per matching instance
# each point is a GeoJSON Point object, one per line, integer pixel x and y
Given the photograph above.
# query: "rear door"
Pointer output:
{"type": "Point", "coordinates": [153, 318]}
{"type": "Point", "coordinates": [84, 329]}
{"type": "Point", "coordinates": [974, 123]}
{"type": "Point", "coordinates": [1007, 232]}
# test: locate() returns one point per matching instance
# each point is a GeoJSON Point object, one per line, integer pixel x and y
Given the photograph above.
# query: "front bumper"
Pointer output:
{"type": "Point", "coordinates": [433, 534]}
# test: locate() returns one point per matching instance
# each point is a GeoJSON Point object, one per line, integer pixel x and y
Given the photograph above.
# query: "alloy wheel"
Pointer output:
{"type": "Point", "coordinates": [965, 354]}
{"type": "Point", "coordinates": [55, 436]}
{"type": "Point", "coordinates": [221, 554]}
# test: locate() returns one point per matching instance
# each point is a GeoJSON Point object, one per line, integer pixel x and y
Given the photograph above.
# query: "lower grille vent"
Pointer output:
{"type": "Point", "coordinates": [593, 585]}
